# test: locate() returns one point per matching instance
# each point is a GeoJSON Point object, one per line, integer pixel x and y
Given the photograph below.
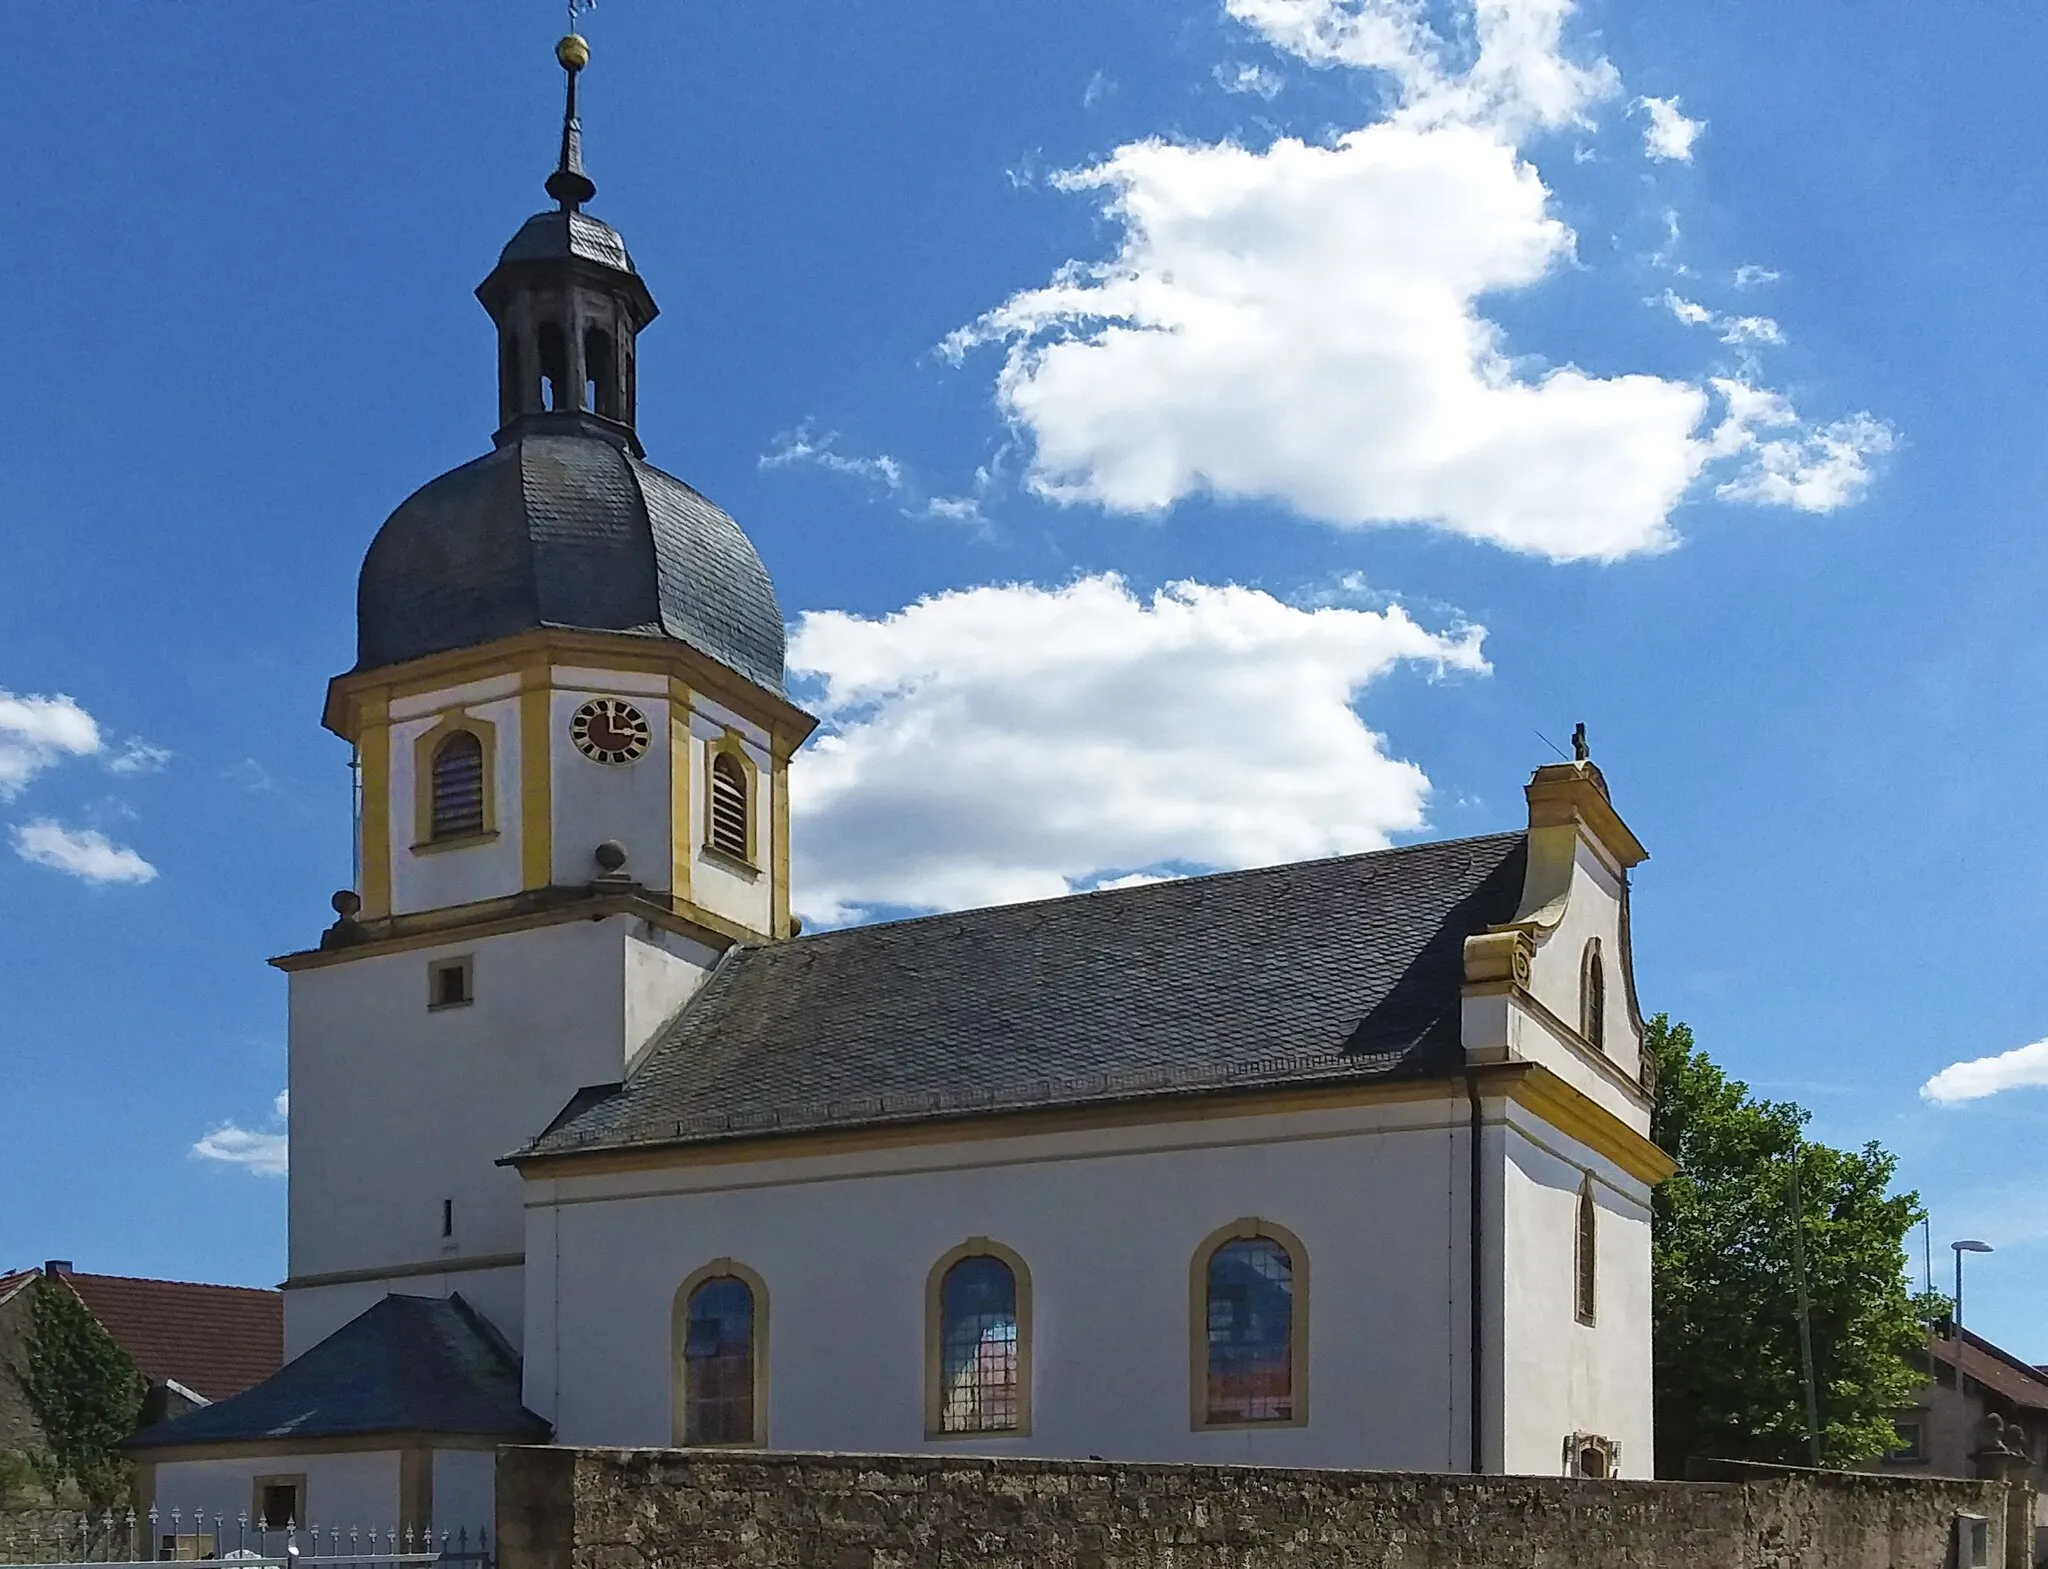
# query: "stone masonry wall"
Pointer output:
{"type": "Point", "coordinates": [682, 1509]}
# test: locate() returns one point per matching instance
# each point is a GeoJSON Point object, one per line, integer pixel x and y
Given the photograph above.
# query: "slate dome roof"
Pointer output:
{"type": "Point", "coordinates": [559, 528]}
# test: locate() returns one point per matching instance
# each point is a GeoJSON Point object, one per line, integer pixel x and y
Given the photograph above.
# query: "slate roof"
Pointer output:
{"type": "Point", "coordinates": [560, 529]}
{"type": "Point", "coordinates": [548, 236]}
{"type": "Point", "coordinates": [1345, 968]}
{"type": "Point", "coordinates": [215, 1340]}
{"type": "Point", "coordinates": [407, 1365]}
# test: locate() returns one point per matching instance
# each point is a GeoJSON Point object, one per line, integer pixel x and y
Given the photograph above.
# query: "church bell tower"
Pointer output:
{"type": "Point", "coordinates": [572, 746]}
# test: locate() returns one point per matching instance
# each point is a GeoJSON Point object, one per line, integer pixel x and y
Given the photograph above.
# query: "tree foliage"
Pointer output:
{"type": "Point", "coordinates": [86, 1396]}
{"type": "Point", "coordinates": [1729, 1383]}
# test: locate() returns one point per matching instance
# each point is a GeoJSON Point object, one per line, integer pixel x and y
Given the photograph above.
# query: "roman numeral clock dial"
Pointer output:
{"type": "Point", "coordinates": [609, 730]}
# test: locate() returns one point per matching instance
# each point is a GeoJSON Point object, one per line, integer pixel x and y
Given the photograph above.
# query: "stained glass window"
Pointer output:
{"type": "Point", "coordinates": [1251, 1332]}
{"type": "Point", "coordinates": [718, 1363]}
{"type": "Point", "coordinates": [978, 1384]}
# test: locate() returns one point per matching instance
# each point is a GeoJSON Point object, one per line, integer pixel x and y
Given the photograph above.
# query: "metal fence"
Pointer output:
{"type": "Point", "coordinates": [182, 1536]}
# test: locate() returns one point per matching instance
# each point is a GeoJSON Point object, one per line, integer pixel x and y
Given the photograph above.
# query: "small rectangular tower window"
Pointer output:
{"type": "Point", "coordinates": [447, 1217]}
{"type": "Point", "coordinates": [449, 983]}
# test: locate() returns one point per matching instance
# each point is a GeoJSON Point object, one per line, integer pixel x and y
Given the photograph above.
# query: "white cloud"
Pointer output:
{"type": "Point", "coordinates": [138, 757]}
{"type": "Point", "coordinates": [1247, 78]}
{"type": "Point", "coordinates": [1780, 461]}
{"type": "Point", "coordinates": [1741, 332]}
{"type": "Point", "coordinates": [1690, 312]}
{"type": "Point", "coordinates": [85, 853]}
{"type": "Point", "coordinates": [2024, 1067]}
{"type": "Point", "coordinates": [1015, 742]}
{"type": "Point", "coordinates": [264, 1154]}
{"type": "Point", "coordinates": [1301, 323]}
{"type": "Point", "coordinates": [1099, 87]}
{"type": "Point", "coordinates": [1504, 65]}
{"type": "Point", "coordinates": [1667, 135]}
{"type": "Point", "coordinates": [37, 732]}
{"type": "Point", "coordinates": [804, 446]}
{"type": "Point", "coordinates": [1750, 276]}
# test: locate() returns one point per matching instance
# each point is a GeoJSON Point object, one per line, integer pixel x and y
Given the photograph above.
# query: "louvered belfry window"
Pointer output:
{"type": "Point", "coordinates": [729, 806]}
{"type": "Point", "coordinates": [458, 799]}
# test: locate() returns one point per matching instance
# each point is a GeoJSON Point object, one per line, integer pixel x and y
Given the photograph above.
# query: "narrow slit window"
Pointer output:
{"type": "Point", "coordinates": [1593, 997]}
{"type": "Point", "coordinates": [719, 1363]}
{"type": "Point", "coordinates": [554, 367]}
{"type": "Point", "coordinates": [1586, 1262]}
{"type": "Point", "coordinates": [729, 826]}
{"type": "Point", "coordinates": [978, 1348]}
{"type": "Point", "coordinates": [458, 793]}
{"type": "Point", "coordinates": [600, 366]}
{"type": "Point", "coordinates": [447, 1217]}
{"type": "Point", "coordinates": [1250, 1320]}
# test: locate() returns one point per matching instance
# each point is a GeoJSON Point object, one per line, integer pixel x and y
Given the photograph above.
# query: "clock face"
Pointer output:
{"type": "Point", "coordinates": [609, 730]}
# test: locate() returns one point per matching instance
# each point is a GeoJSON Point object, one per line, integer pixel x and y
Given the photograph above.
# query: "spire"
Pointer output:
{"type": "Point", "coordinates": [569, 185]}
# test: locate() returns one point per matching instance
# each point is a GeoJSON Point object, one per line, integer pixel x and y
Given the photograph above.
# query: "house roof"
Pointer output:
{"type": "Point", "coordinates": [1348, 968]}
{"type": "Point", "coordinates": [215, 1340]}
{"type": "Point", "coordinates": [1996, 1369]}
{"type": "Point", "coordinates": [407, 1365]}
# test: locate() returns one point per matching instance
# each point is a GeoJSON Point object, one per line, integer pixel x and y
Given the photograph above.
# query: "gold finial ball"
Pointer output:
{"type": "Point", "coordinates": [573, 52]}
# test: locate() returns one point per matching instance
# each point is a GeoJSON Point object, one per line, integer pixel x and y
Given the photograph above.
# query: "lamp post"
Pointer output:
{"type": "Point", "coordinates": [1960, 1249]}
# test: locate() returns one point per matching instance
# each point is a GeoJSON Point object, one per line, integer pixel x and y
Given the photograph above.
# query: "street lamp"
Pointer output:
{"type": "Point", "coordinates": [1960, 1249]}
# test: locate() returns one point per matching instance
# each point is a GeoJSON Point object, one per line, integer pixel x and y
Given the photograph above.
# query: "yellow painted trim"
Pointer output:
{"type": "Point", "coordinates": [536, 775]}
{"type": "Point", "coordinates": [493, 917]}
{"type": "Point", "coordinates": [1577, 1115]}
{"type": "Point", "coordinates": [373, 754]}
{"type": "Point", "coordinates": [429, 741]}
{"type": "Point", "coordinates": [1248, 1228]}
{"type": "Point", "coordinates": [807, 1144]}
{"type": "Point", "coordinates": [778, 864]}
{"type": "Point", "coordinates": [1560, 793]}
{"type": "Point", "coordinates": [679, 1327]}
{"type": "Point", "coordinates": [682, 771]}
{"type": "Point", "coordinates": [349, 695]}
{"type": "Point", "coordinates": [934, 1350]}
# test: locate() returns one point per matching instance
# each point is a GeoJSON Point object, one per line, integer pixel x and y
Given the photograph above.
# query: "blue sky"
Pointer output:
{"type": "Point", "coordinates": [1694, 344]}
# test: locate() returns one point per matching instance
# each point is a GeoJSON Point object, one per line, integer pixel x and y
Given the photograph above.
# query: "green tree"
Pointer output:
{"type": "Point", "coordinates": [1729, 1382]}
{"type": "Point", "coordinates": [86, 1396]}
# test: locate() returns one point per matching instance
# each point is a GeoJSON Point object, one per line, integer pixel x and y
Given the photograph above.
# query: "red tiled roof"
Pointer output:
{"type": "Point", "coordinates": [1994, 1368]}
{"type": "Point", "coordinates": [215, 1340]}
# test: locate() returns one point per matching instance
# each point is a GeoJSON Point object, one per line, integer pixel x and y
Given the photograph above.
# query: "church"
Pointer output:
{"type": "Point", "coordinates": [1343, 1163]}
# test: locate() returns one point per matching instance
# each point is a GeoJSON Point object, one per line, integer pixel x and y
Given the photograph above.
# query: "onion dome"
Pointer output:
{"type": "Point", "coordinates": [566, 524]}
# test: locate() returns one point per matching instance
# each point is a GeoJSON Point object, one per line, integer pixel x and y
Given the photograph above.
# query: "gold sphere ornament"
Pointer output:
{"type": "Point", "coordinates": [573, 52]}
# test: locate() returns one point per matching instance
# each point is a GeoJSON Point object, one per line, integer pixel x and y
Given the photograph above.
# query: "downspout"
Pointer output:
{"type": "Point", "coordinates": [1474, 1230]}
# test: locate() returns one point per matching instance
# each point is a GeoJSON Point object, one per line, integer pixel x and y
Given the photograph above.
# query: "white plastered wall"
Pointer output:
{"type": "Point", "coordinates": [594, 802]}
{"type": "Point", "coordinates": [1107, 1222]}
{"type": "Point", "coordinates": [437, 879]}
{"type": "Point", "coordinates": [1559, 1376]}
{"type": "Point", "coordinates": [396, 1107]}
{"type": "Point", "coordinates": [358, 1489]}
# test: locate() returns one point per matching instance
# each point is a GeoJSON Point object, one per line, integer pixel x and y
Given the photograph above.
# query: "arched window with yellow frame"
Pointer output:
{"type": "Point", "coordinates": [454, 782]}
{"type": "Point", "coordinates": [719, 1358]}
{"type": "Point", "coordinates": [978, 1342]}
{"type": "Point", "coordinates": [1248, 1328]}
{"type": "Point", "coordinates": [729, 804]}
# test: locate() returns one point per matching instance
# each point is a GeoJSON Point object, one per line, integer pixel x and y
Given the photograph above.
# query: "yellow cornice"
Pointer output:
{"type": "Point", "coordinates": [518, 913]}
{"type": "Point", "coordinates": [1577, 1115]}
{"type": "Point", "coordinates": [1527, 1084]}
{"type": "Point", "coordinates": [351, 697]}
{"type": "Point", "coordinates": [1575, 794]}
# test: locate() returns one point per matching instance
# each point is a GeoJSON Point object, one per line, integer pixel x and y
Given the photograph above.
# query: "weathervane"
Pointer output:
{"type": "Point", "coordinates": [569, 185]}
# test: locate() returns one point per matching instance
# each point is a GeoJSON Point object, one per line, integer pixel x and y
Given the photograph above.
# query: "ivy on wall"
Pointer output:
{"type": "Point", "coordinates": [85, 1394]}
